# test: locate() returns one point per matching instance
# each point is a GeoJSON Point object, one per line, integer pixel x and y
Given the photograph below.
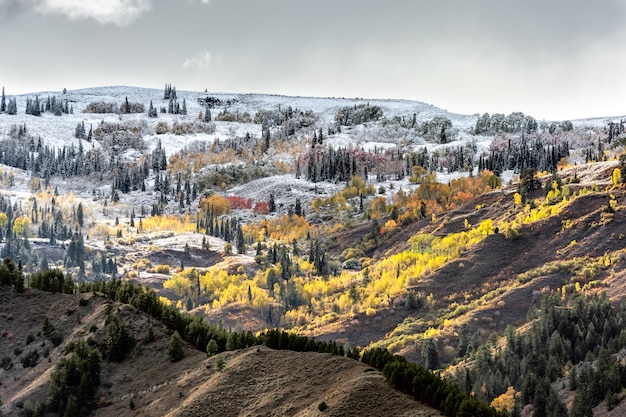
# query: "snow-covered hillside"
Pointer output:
{"type": "Point", "coordinates": [386, 133]}
{"type": "Point", "coordinates": [59, 130]}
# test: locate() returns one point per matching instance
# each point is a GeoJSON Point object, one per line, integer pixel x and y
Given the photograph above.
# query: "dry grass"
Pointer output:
{"type": "Point", "coordinates": [254, 381]}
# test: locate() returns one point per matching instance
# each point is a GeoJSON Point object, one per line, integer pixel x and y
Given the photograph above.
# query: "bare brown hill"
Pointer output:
{"type": "Point", "coordinates": [261, 381]}
{"type": "Point", "coordinates": [254, 381]}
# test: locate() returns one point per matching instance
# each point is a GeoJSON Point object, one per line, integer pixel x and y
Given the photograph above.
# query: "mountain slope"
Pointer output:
{"type": "Point", "coordinates": [254, 381]}
{"type": "Point", "coordinates": [260, 381]}
{"type": "Point", "coordinates": [495, 282]}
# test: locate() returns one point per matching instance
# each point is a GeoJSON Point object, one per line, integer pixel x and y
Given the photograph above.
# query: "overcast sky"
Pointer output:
{"type": "Point", "coordinates": [553, 59]}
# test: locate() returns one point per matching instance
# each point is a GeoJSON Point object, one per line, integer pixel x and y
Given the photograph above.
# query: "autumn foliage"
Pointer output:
{"type": "Point", "coordinates": [239, 203]}
{"type": "Point", "coordinates": [215, 204]}
{"type": "Point", "coordinates": [261, 207]}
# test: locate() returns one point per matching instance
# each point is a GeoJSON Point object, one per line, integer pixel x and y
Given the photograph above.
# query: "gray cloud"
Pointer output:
{"type": "Point", "coordinates": [10, 8]}
{"type": "Point", "coordinates": [200, 60]}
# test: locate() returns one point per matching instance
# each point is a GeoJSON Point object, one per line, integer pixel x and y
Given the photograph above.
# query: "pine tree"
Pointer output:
{"type": "Point", "coordinates": [241, 243]}
{"type": "Point", "coordinates": [211, 347]}
{"type": "Point", "coordinates": [175, 348]}
{"type": "Point", "coordinates": [3, 103]}
{"type": "Point", "coordinates": [272, 204]}
{"type": "Point", "coordinates": [12, 106]}
{"type": "Point", "coordinates": [152, 110]}
{"type": "Point", "coordinates": [430, 355]}
{"type": "Point", "coordinates": [79, 132]}
{"type": "Point", "coordinates": [266, 145]}
{"type": "Point", "coordinates": [298, 208]}
{"type": "Point", "coordinates": [79, 215]}
{"type": "Point", "coordinates": [35, 109]}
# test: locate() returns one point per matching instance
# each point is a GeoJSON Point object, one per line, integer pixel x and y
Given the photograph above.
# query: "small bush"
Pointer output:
{"type": "Point", "coordinates": [83, 302]}
{"type": "Point", "coordinates": [322, 406]}
{"type": "Point", "coordinates": [261, 207]}
{"type": "Point", "coordinates": [55, 339]}
{"type": "Point", "coordinates": [150, 337]}
{"type": "Point", "coordinates": [101, 107]}
{"type": "Point", "coordinates": [220, 363]}
{"type": "Point", "coordinates": [30, 359]}
{"type": "Point", "coordinates": [162, 269]}
{"type": "Point", "coordinates": [6, 363]}
{"type": "Point", "coordinates": [133, 107]}
{"type": "Point", "coordinates": [161, 128]}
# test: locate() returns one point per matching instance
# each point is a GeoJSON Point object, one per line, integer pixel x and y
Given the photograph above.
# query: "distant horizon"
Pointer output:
{"type": "Point", "coordinates": [8, 93]}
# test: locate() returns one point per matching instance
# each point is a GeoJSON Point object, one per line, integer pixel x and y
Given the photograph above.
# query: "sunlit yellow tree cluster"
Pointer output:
{"type": "Point", "coordinates": [285, 228]}
{"type": "Point", "coordinates": [173, 223]}
{"type": "Point", "coordinates": [215, 204]}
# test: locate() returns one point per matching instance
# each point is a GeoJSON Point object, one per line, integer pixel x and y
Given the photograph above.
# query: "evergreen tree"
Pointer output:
{"type": "Point", "coordinates": [118, 339]}
{"type": "Point", "coordinates": [152, 110]}
{"type": "Point", "coordinates": [12, 106]}
{"type": "Point", "coordinates": [430, 355]}
{"type": "Point", "coordinates": [175, 348]}
{"type": "Point", "coordinates": [298, 171]}
{"type": "Point", "coordinates": [33, 107]}
{"type": "Point", "coordinates": [79, 132]}
{"type": "Point", "coordinates": [3, 103]}
{"type": "Point", "coordinates": [272, 204]}
{"type": "Point", "coordinates": [298, 208]}
{"type": "Point", "coordinates": [241, 243]}
{"type": "Point", "coordinates": [266, 144]}
{"type": "Point", "coordinates": [211, 347]}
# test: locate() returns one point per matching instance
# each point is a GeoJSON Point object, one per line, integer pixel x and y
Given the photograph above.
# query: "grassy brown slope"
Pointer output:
{"type": "Point", "coordinates": [146, 365]}
{"type": "Point", "coordinates": [260, 381]}
{"type": "Point", "coordinates": [256, 381]}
